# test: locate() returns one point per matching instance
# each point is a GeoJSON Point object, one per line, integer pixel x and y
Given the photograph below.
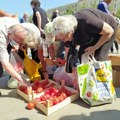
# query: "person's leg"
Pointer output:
{"type": "Point", "coordinates": [1, 73]}
{"type": "Point", "coordinates": [102, 53]}
{"type": "Point", "coordinates": [60, 50]}
{"type": "Point", "coordinates": [111, 49]}
{"type": "Point", "coordinates": [81, 51]}
{"type": "Point", "coordinates": [34, 54]}
{"type": "Point", "coordinates": [116, 46]}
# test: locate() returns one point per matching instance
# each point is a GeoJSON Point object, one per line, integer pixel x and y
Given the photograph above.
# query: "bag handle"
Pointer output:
{"type": "Point", "coordinates": [87, 59]}
{"type": "Point", "coordinates": [25, 54]}
{"type": "Point", "coordinates": [92, 58]}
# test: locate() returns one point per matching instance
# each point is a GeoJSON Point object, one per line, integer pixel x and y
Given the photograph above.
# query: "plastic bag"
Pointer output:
{"type": "Point", "coordinates": [16, 61]}
{"type": "Point", "coordinates": [31, 68]}
{"type": "Point", "coordinates": [95, 82]}
{"type": "Point", "coordinates": [12, 83]}
{"type": "Point", "coordinates": [60, 74]}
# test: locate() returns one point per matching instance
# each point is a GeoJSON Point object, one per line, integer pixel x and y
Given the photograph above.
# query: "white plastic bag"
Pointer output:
{"type": "Point", "coordinates": [12, 83]}
{"type": "Point", "coordinates": [16, 61]}
{"type": "Point", "coordinates": [60, 74]}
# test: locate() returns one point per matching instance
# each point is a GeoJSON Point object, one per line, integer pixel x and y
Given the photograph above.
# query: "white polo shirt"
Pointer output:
{"type": "Point", "coordinates": [5, 24]}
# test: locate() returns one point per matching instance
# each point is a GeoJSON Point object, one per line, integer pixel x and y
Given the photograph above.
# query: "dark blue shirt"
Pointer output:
{"type": "Point", "coordinates": [103, 6]}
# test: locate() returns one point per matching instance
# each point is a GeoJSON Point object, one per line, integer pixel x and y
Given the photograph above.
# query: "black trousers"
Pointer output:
{"type": "Point", "coordinates": [116, 46]}
{"type": "Point", "coordinates": [1, 70]}
{"type": "Point", "coordinates": [34, 54]}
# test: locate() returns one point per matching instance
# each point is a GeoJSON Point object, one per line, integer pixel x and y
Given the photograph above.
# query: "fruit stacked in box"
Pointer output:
{"type": "Point", "coordinates": [55, 98]}
{"type": "Point", "coordinates": [54, 95]}
{"type": "Point", "coordinates": [36, 88]}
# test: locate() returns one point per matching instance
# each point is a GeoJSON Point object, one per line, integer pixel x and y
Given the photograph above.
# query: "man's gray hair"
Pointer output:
{"type": "Point", "coordinates": [33, 36]}
{"type": "Point", "coordinates": [64, 24]}
{"type": "Point", "coordinates": [32, 39]}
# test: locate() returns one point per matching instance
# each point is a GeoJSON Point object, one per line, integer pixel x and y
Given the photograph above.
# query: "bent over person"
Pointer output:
{"type": "Point", "coordinates": [92, 29]}
{"type": "Point", "coordinates": [25, 33]}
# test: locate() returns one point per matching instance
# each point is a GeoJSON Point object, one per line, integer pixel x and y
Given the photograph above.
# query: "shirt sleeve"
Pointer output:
{"type": "Point", "coordinates": [4, 56]}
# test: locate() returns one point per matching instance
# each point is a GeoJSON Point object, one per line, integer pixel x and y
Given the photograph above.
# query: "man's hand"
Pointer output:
{"type": "Point", "coordinates": [45, 75]}
{"type": "Point", "coordinates": [25, 83]}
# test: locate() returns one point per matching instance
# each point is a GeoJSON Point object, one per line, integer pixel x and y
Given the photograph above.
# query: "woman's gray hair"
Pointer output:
{"type": "Point", "coordinates": [64, 24]}
{"type": "Point", "coordinates": [32, 39]}
{"type": "Point", "coordinates": [48, 30]}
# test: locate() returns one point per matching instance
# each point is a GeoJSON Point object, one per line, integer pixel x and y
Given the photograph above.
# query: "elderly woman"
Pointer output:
{"type": "Point", "coordinates": [92, 29]}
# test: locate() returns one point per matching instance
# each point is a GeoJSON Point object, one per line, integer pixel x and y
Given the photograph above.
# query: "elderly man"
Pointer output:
{"type": "Point", "coordinates": [25, 33]}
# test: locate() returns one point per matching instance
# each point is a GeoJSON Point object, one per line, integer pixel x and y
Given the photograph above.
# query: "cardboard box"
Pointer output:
{"type": "Point", "coordinates": [115, 59]}
{"type": "Point", "coordinates": [116, 75]}
{"type": "Point", "coordinates": [32, 95]}
{"type": "Point", "coordinates": [52, 109]}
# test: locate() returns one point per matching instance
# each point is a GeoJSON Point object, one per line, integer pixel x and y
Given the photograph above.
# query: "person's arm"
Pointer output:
{"type": "Point", "coordinates": [52, 52]}
{"type": "Point", "coordinates": [9, 68]}
{"type": "Point", "coordinates": [41, 57]}
{"type": "Point", "coordinates": [3, 13]}
{"type": "Point", "coordinates": [106, 33]}
{"type": "Point", "coordinates": [66, 52]}
{"type": "Point", "coordinates": [39, 21]}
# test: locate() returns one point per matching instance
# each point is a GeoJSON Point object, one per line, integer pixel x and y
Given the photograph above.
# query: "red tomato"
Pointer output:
{"type": "Point", "coordinates": [39, 90]}
{"type": "Point", "coordinates": [30, 105]}
{"type": "Point", "coordinates": [45, 82]}
{"type": "Point", "coordinates": [47, 96]}
{"type": "Point", "coordinates": [22, 88]}
{"type": "Point", "coordinates": [36, 82]}
{"type": "Point", "coordinates": [60, 98]}
{"type": "Point", "coordinates": [34, 87]}
{"type": "Point", "coordinates": [44, 103]}
{"type": "Point", "coordinates": [64, 95]}
{"type": "Point", "coordinates": [55, 101]}
{"type": "Point", "coordinates": [42, 98]}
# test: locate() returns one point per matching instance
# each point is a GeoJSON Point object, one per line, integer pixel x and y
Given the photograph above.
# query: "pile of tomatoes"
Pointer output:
{"type": "Point", "coordinates": [38, 86]}
{"type": "Point", "coordinates": [54, 96]}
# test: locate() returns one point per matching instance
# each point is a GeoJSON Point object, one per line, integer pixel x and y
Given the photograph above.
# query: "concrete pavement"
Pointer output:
{"type": "Point", "coordinates": [13, 107]}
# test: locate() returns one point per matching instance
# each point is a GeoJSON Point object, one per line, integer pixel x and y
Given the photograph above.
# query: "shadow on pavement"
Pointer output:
{"type": "Point", "coordinates": [81, 103]}
{"type": "Point", "coordinates": [98, 115]}
{"type": "Point", "coordinates": [12, 94]}
{"type": "Point", "coordinates": [22, 119]}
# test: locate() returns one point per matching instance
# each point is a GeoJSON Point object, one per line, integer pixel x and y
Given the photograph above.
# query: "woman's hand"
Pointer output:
{"type": "Point", "coordinates": [90, 50]}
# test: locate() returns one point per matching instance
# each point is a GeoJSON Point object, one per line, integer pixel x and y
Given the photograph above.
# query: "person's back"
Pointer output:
{"type": "Point", "coordinates": [43, 14]}
{"type": "Point", "coordinates": [40, 20]}
{"type": "Point", "coordinates": [103, 6]}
